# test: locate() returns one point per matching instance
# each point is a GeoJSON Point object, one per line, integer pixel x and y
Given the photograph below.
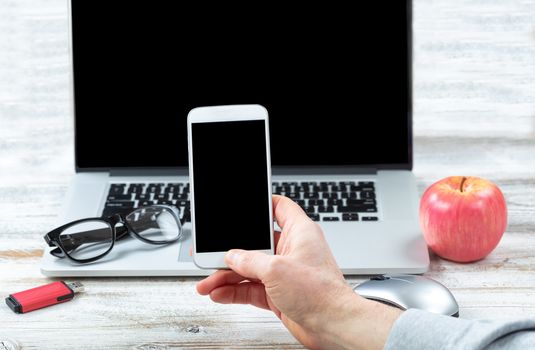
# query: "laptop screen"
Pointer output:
{"type": "Point", "coordinates": [335, 80]}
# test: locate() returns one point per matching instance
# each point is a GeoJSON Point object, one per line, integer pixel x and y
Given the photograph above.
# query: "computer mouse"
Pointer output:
{"type": "Point", "coordinates": [410, 292]}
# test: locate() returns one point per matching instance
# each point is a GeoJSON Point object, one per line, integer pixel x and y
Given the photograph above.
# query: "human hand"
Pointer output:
{"type": "Point", "coordinates": [301, 284]}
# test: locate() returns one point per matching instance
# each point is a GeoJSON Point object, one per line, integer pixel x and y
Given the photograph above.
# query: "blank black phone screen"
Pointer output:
{"type": "Point", "coordinates": [231, 193]}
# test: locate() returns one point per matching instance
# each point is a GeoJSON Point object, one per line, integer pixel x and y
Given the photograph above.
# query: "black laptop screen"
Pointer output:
{"type": "Point", "coordinates": [335, 79]}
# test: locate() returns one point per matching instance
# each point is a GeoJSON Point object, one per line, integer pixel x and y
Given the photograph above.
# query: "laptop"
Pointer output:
{"type": "Point", "coordinates": [335, 81]}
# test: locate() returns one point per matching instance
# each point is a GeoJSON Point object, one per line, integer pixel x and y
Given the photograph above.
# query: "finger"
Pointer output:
{"type": "Point", "coordinates": [286, 211]}
{"type": "Point", "coordinates": [218, 279]}
{"type": "Point", "coordinates": [242, 293]}
{"type": "Point", "coordinates": [250, 264]}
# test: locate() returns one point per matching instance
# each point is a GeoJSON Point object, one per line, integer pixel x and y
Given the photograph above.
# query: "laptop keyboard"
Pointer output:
{"type": "Point", "coordinates": [122, 198]}
{"type": "Point", "coordinates": [332, 201]}
{"type": "Point", "coordinates": [322, 201]}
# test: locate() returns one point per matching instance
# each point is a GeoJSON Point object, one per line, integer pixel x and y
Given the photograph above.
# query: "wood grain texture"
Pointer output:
{"type": "Point", "coordinates": [474, 114]}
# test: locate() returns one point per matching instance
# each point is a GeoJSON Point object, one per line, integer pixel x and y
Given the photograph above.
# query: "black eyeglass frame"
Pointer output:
{"type": "Point", "coordinates": [52, 237]}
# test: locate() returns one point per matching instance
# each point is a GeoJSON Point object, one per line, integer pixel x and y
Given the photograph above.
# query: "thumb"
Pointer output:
{"type": "Point", "coordinates": [249, 264]}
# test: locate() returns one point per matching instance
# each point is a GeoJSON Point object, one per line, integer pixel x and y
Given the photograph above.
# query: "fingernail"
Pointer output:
{"type": "Point", "coordinates": [232, 257]}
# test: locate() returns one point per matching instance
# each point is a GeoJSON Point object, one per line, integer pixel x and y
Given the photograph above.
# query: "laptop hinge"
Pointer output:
{"type": "Point", "coordinates": [331, 170]}
{"type": "Point", "coordinates": [149, 172]}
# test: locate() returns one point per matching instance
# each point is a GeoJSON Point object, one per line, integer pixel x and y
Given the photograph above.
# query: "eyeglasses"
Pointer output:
{"type": "Point", "coordinates": [87, 240]}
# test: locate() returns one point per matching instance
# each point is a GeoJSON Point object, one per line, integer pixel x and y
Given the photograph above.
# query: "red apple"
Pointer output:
{"type": "Point", "coordinates": [463, 218]}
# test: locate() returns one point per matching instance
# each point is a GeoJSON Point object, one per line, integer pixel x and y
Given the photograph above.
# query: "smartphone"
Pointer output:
{"type": "Point", "coordinates": [230, 182]}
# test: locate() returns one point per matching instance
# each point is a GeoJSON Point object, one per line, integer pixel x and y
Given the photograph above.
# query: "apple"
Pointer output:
{"type": "Point", "coordinates": [463, 218]}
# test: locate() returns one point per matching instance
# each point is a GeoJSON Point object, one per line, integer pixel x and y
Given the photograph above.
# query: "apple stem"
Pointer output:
{"type": "Point", "coordinates": [462, 183]}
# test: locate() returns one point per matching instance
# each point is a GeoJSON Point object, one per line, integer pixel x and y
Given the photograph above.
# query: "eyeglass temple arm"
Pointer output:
{"type": "Point", "coordinates": [77, 239]}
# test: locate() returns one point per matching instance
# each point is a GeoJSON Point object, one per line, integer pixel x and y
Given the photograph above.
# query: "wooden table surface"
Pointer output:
{"type": "Point", "coordinates": [474, 92]}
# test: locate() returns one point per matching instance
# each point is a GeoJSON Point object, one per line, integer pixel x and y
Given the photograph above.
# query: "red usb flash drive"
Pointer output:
{"type": "Point", "coordinates": [43, 296]}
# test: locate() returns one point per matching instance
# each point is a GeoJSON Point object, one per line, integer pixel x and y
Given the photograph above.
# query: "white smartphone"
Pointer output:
{"type": "Point", "coordinates": [230, 182]}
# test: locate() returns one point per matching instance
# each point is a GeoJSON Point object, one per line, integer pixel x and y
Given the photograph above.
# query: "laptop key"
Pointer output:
{"type": "Point", "coordinates": [370, 209]}
{"type": "Point", "coordinates": [331, 218]}
{"type": "Point", "coordinates": [112, 211]}
{"type": "Point", "coordinates": [120, 197]}
{"type": "Point", "coordinates": [328, 209]}
{"type": "Point", "coordinates": [350, 217]}
{"type": "Point", "coordinates": [316, 202]}
{"type": "Point", "coordinates": [356, 209]}
{"type": "Point", "coordinates": [309, 209]}
{"type": "Point", "coordinates": [278, 189]}
{"type": "Point", "coordinates": [367, 194]}
{"type": "Point", "coordinates": [299, 188]}
{"type": "Point", "coordinates": [370, 218]}
{"type": "Point", "coordinates": [315, 217]}
{"type": "Point", "coordinates": [117, 188]}
{"type": "Point", "coordinates": [153, 189]}
{"type": "Point", "coordinates": [335, 202]}
{"type": "Point", "coordinates": [121, 204]}
{"type": "Point", "coordinates": [172, 189]}
{"type": "Point", "coordinates": [311, 195]}
{"type": "Point", "coordinates": [330, 195]}
{"type": "Point", "coordinates": [353, 201]}
{"type": "Point", "coordinates": [134, 189]}
{"type": "Point", "coordinates": [301, 202]}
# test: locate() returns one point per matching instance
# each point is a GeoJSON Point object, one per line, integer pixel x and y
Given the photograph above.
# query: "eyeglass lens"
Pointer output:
{"type": "Point", "coordinates": [87, 240]}
{"type": "Point", "coordinates": [156, 224]}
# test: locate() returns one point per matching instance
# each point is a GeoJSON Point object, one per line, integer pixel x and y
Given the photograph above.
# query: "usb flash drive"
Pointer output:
{"type": "Point", "coordinates": [43, 296]}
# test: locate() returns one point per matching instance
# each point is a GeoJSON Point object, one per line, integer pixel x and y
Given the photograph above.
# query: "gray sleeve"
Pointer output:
{"type": "Point", "coordinates": [416, 329]}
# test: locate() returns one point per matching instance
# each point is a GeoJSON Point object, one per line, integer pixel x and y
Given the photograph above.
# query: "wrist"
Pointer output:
{"type": "Point", "coordinates": [358, 323]}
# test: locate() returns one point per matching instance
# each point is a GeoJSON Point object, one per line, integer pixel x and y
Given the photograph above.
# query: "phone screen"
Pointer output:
{"type": "Point", "coordinates": [231, 186]}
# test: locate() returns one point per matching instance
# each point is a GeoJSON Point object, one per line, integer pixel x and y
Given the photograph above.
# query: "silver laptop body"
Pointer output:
{"type": "Point", "coordinates": [111, 149]}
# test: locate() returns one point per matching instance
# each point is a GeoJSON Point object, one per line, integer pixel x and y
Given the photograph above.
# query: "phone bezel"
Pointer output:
{"type": "Point", "coordinates": [215, 260]}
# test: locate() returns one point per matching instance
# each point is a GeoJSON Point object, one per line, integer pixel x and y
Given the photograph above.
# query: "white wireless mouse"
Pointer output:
{"type": "Point", "coordinates": [410, 292]}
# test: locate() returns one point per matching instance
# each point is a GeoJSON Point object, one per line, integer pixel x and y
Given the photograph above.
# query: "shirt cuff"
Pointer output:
{"type": "Point", "coordinates": [417, 329]}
